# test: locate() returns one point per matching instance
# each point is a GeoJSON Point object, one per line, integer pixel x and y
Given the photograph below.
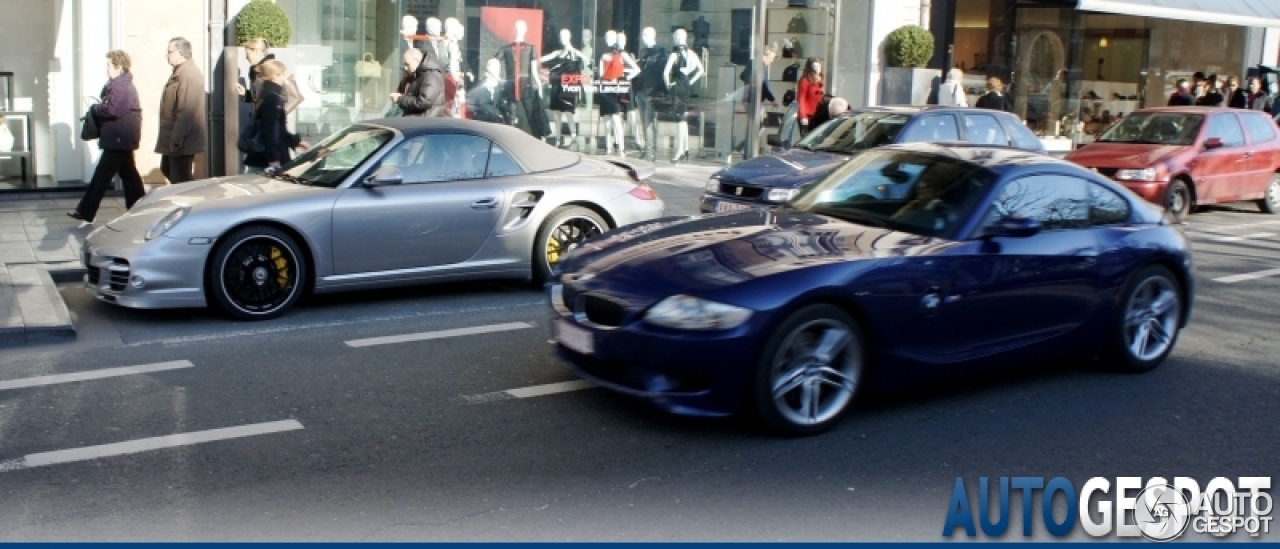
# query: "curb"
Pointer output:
{"type": "Point", "coordinates": [31, 309]}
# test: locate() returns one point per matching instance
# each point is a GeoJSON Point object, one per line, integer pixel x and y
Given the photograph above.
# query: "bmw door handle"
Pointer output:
{"type": "Point", "coordinates": [485, 204]}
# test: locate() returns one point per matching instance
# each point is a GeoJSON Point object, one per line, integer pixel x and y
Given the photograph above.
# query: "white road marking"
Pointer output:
{"type": "Point", "coordinates": [1213, 227]}
{"type": "Point", "coordinates": [147, 444]}
{"type": "Point", "coordinates": [1248, 276]}
{"type": "Point", "coordinates": [441, 334]}
{"type": "Point", "coordinates": [93, 374]}
{"type": "Point", "coordinates": [531, 392]}
{"type": "Point", "coordinates": [1242, 237]}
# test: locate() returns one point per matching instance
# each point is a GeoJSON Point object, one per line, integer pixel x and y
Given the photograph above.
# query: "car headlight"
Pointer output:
{"type": "Point", "coordinates": [1148, 174]}
{"type": "Point", "coordinates": [713, 184]}
{"type": "Point", "coordinates": [781, 195]}
{"type": "Point", "coordinates": [167, 222]}
{"type": "Point", "coordinates": [684, 312]}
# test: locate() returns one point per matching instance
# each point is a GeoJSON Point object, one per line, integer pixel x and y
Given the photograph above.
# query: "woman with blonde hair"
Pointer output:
{"type": "Point", "coordinates": [951, 92]}
{"type": "Point", "coordinates": [995, 99]}
{"type": "Point", "coordinates": [269, 141]}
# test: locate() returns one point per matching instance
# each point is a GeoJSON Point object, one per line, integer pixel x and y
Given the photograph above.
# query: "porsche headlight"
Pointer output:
{"type": "Point", "coordinates": [684, 312]}
{"type": "Point", "coordinates": [167, 222]}
{"type": "Point", "coordinates": [1148, 174]}
{"type": "Point", "coordinates": [781, 195]}
{"type": "Point", "coordinates": [713, 184]}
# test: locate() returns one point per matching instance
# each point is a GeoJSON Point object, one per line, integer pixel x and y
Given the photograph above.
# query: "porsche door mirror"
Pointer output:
{"type": "Point", "coordinates": [384, 177]}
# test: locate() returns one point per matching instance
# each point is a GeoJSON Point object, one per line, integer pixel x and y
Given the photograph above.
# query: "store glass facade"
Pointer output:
{"type": "Point", "coordinates": [550, 67]}
{"type": "Point", "coordinates": [1071, 72]}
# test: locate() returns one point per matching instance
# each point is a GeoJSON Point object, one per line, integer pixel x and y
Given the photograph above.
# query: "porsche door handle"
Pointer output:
{"type": "Point", "coordinates": [485, 204]}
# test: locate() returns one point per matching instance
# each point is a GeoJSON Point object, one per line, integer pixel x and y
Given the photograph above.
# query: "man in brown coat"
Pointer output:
{"type": "Point", "coordinates": [182, 115]}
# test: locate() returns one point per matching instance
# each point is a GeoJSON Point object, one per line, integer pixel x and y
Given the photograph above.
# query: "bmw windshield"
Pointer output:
{"type": "Point", "coordinates": [855, 133]}
{"type": "Point", "coordinates": [924, 194]}
{"type": "Point", "coordinates": [330, 162]}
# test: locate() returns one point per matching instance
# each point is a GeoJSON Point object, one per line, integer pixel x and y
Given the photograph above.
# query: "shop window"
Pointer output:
{"type": "Point", "coordinates": [1224, 126]}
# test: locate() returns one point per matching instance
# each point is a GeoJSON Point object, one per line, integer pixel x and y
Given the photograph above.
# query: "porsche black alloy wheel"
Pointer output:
{"type": "Point", "coordinates": [256, 273]}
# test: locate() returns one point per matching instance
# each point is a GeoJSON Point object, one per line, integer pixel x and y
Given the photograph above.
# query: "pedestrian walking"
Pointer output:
{"type": "Point", "coordinates": [271, 140]}
{"type": "Point", "coordinates": [810, 92]}
{"type": "Point", "coordinates": [182, 115]}
{"type": "Point", "coordinates": [995, 99]}
{"type": "Point", "coordinates": [951, 93]}
{"type": "Point", "coordinates": [118, 116]}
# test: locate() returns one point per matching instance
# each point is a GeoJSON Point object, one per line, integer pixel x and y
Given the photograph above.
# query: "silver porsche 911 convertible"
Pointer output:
{"type": "Point", "coordinates": [381, 203]}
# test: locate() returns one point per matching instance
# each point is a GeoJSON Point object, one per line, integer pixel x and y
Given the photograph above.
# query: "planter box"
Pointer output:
{"type": "Point", "coordinates": [909, 86]}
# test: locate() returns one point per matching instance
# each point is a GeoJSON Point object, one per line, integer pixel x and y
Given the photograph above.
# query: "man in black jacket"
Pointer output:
{"type": "Point", "coordinates": [421, 92]}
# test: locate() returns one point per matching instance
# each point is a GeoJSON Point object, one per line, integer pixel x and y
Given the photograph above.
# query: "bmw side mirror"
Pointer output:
{"type": "Point", "coordinates": [1213, 143]}
{"type": "Point", "coordinates": [384, 177]}
{"type": "Point", "coordinates": [1013, 227]}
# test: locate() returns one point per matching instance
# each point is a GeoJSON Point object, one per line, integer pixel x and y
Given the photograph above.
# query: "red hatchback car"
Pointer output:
{"type": "Point", "coordinates": [1181, 157]}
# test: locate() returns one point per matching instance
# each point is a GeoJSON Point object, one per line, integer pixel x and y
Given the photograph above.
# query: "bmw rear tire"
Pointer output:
{"type": "Point", "coordinates": [1148, 321]}
{"type": "Point", "coordinates": [256, 273]}
{"type": "Point", "coordinates": [810, 372]}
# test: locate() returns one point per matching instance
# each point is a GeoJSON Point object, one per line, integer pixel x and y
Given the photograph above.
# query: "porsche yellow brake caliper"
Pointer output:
{"type": "Point", "coordinates": [553, 250]}
{"type": "Point", "coordinates": [282, 267]}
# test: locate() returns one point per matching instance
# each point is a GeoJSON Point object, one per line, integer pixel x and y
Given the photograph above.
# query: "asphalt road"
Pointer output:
{"type": "Point", "coordinates": [327, 434]}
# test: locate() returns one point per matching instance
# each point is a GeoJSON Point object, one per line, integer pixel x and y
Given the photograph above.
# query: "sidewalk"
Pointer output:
{"type": "Point", "coordinates": [39, 243]}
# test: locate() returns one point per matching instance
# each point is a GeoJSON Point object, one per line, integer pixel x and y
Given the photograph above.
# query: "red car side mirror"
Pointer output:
{"type": "Point", "coordinates": [1213, 143]}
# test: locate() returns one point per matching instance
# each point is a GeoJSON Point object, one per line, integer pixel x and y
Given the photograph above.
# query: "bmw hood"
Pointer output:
{"type": "Point", "coordinates": [201, 194]}
{"type": "Point", "coordinates": [703, 252]}
{"type": "Point", "coordinates": [791, 169]}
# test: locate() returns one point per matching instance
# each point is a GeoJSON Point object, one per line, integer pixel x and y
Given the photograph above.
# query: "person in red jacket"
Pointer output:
{"type": "Point", "coordinates": [809, 92]}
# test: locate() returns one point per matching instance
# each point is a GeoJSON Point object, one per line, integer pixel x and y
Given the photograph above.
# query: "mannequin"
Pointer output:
{"type": "Point", "coordinates": [459, 74]}
{"type": "Point", "coordinates": [409, 30]}
{"type": "Point", "coordinates": [628, 108]}
{"type": "Point", "coordinates": [683, 70]}
{"type": "Point", "coordinates": [651, 82]}
{"type": "Point", "coordinates": [701, 33]}
{"type": "Point", "coordinates": [523, 90]}
{"type": "Point", "coordinates": [615, 81]}
{"type": "Point", "coordinates": [565, 65]}
{"type": "Point", "coordinates": [485, 99]}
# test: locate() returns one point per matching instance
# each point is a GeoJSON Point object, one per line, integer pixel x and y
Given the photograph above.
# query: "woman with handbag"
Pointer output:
{"type": "Point", "coordinates": [809, 93]}
{"type": "Point", "coordinates": [268, 142]}
{"type": "Point", "coordinates": [118, 118]}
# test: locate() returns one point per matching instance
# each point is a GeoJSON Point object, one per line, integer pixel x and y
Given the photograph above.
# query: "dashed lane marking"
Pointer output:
{"type": "Point", "coordinates": [146, 445]}
{"type": "Point", "coordinates": [1248, 276]}
{"type": "Point", "coordinates": [93, 374]}
{"type": "Point", "coordinates": [440, 334]}
{"type": "Point", "coordinates": [1242, 237]}
{"type": "Point", "coordinates": [530, 392]}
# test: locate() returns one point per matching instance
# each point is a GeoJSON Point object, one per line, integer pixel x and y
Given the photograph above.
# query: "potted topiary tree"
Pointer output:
{"type": "Point", "coordinates": [907, 51]}
{"type": "Point", "coordinates": [264, 19]}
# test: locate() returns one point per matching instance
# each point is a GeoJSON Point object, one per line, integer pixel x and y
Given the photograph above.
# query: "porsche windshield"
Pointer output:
{"type": "Point", "coordinates": [1155, 129]}
{"type": "Point", "coordinates": [907, 191]}
{"type": "Point", "coordinates": [330, 162]}
{"type": "Point", "coordinates": [858, 132]}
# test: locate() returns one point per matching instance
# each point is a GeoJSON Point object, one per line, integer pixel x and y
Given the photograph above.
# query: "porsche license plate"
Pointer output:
{"type": "Point", "coordinates": [575, 338]}
{"type": "Point", "coordinates": [722, 207]}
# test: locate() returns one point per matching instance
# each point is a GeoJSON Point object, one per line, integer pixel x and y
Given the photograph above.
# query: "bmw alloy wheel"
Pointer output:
{"type": "Point", "coordinates": [815, 372]}
{"type": "Point", "coordinates": [1151, 319]}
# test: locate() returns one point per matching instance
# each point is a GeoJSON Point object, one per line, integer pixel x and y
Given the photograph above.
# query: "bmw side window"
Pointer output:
{"type": "Point", "coordinates": [1226, 127]}
{"type": "Point", "coordinates": [1106, 207]}
{"type": "Point", "coordinates": [941, 127]}
{"type": "Point", "coordinates": [1057, 202]}
{"type": "Point", "coordinates": [1261, 129]}
{"type": "Point", "coordinates": [985, 129]}
{"type": "Point", "coordinates": [501, 164]}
